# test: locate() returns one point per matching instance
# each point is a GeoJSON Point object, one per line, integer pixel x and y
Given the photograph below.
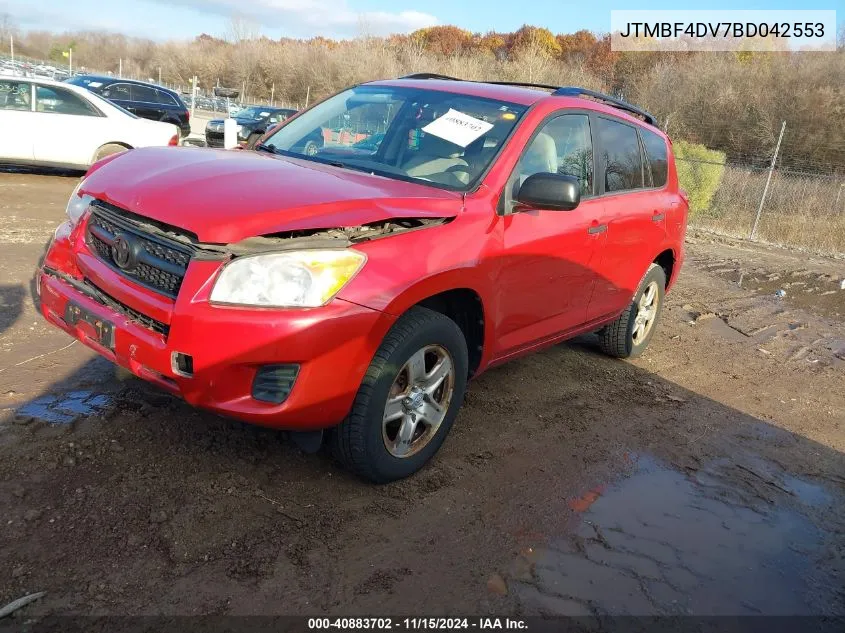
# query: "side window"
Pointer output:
{"type": "Point", "coordinates": [15, 95]}
{"type": "Point", "coordinates": [623, 165]}
{"type": "Point", "coordinates": [144, 94]}
{"type": "Point", "coordinates": [655, 149]}
{"type": "Point", "coordinates": [118, 91]}
{"type": "Point", "coordinates": [60, 101]}
{"type": "Point", "coordinates": [165, 98]}
{"type": "Point", "coordinates": [563, 146]}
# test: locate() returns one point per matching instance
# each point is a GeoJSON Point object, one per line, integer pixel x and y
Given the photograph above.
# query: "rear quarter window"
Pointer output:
{"type": "Point", "coordinates": [166, 98]}
{"type": "Point", "coordinates": [657, 155]}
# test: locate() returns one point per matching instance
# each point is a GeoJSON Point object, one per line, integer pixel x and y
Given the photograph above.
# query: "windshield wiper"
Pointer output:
{"type": "Point", "coordinates": [342, 165]}
{"type": "Point", "coordinates": [272, 149]}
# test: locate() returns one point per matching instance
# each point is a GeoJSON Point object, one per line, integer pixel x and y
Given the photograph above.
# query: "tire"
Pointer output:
{"type": "Point", "coordinates": [623, 338]}
{"type": "Point", "coordinates": [108, 149]}
{"type": "Point", "coordinates": [363, 442]}
{"type": "Point", "coordinates": [252, 140]}
{"type": "Point", "coordinates": [311, 148]}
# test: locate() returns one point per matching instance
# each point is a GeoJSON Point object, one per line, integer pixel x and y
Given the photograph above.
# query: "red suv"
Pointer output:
{"type": "Point", "coordinates": [349, 295]}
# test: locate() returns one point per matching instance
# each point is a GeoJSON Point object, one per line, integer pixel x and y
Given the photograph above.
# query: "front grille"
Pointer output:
{"type": "Point", "coordinates": [143, 319]}
{"type": "Point", "coordinates": [154, 261]}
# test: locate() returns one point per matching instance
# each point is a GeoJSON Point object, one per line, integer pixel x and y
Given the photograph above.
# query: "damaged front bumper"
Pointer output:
{"type": "Point", "coordinates": [227, 359]}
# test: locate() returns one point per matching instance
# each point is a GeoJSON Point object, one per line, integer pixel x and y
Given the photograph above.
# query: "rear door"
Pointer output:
{"type": "Point", "coordinates": [633, 214]}
{"type": "Point", "coordinates": [169, 106]}
{"type": "Point", "coordinates": [547, 269]}
{"type": "Point", "coordinates": [145, 102]}
{"type": "Point", "coordinates": [68, 129]}
{"type": "Point", "coordinates": [16, 121]}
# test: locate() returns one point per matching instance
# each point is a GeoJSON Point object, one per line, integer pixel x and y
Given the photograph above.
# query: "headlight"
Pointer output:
{"type": "Point", "coordinates": [77, 204]}
{"type": "Point", "coordinates": [239, 128]}
{"type": "Point", "coordinates": [304, 279]}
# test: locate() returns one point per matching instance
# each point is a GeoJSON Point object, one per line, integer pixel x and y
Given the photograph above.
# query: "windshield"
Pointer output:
{"type": "Point", "coordinates": [253, 112]}
{"type": "Point", "coordinates": [437, 138]}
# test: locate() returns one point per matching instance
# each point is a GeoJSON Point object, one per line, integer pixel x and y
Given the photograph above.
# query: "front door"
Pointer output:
{"type": "Point", "coordinates": [16, 121]}
{"type": "Point", "coordinates": [68, 128]}
{"type": "Point", "coordinates": [547, 269]}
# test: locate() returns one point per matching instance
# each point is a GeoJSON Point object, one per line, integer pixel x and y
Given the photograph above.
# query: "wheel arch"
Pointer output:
{"type": "Point", "coordinates": [449, 294]}
{"type": "Point", "coordinates": [122, 144]}
{"type": "Point", "coordinates": [667, 260]}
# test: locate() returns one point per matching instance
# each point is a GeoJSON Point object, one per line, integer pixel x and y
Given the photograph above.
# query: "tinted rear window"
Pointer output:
{"type": "Point", "coordinates": [166, 98]}
{"type": "Point", "coordinates": [143, 93]}
{"type": "Point", "coordinates": [655, 148]}
{"type": "Point", "coordinates": [623, 168]}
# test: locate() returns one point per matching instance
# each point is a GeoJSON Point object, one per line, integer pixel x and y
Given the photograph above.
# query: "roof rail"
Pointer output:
{"type": "Point", "coordinates": [558, 91]}
{"type": "Point", "coordinates": [430, 76]}
{"type": "Point", "coordinates": [571, 91]}
{"type": "Point", "coordinates": [522, 83]}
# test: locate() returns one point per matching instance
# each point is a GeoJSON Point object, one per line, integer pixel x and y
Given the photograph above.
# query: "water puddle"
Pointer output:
{"type": "Point", "coordinates": [818, 292]}
{"type": "Point", "coordinates": [65, 408]}
{"type": "Point", "coordinates": [729, 538]}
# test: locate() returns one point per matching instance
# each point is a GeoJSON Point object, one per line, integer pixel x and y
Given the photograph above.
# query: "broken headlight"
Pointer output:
{"type": "Point", "coordinates": [77, 204]}
{"type": "Point", "coordinates": [303, 279]}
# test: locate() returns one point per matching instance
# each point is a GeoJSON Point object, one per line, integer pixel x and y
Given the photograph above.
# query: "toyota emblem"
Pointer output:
{"type": "Point", "coordinates": [123, 252]}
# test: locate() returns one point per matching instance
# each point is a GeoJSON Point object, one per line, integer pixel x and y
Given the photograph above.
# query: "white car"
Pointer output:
{"type": "Point", "coordinates": [55, 124]}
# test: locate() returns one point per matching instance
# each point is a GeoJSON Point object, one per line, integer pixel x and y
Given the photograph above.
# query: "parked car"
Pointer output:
{"type": "Point", "coordinates": [350, 298]}
{"type": "Point", "coordinates": [148, 101]}
{"type": "Point", "coordinates": [51, 123]}
{"type": "Point", "coordinates": [252, 122]}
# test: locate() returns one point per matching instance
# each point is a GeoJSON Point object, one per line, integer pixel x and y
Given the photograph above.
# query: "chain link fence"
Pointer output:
{"type": "Point", "coordinates": [802, 209]}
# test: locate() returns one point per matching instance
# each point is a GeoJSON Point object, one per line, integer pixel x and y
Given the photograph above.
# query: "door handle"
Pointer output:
{"type": "Point", "coordinates": [658, 217]}
{"type": "Point", "coordinates": [595, 229]}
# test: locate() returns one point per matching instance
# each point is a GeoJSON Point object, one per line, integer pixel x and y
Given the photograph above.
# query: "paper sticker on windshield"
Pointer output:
{"type": "Point", "coordinates": [457, 127]}
{"type": "Point", "coordinates": [95, 84]}
{"type": "Point", "coordinates": [263, 113]}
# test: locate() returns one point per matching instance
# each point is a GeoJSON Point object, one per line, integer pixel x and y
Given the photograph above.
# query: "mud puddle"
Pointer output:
{"type": "Point", "coordinates": [65, 408]}
{"type": "Point", "coordinates": [822, 293]}
{"type": "Point", "coordinates": [729, 538]}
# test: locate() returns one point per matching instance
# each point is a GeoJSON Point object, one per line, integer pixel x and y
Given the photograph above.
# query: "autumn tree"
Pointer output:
{"type": "Point", "coordinates": [576, 47]}
{"type": "Point", "coordinates": [538, 39]}
{"type": "Point", "coordinates": [443, 40]}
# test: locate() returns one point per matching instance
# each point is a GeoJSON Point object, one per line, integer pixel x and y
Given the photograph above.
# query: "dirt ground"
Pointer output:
{"type": "Point", "coordinates": [706, 477]}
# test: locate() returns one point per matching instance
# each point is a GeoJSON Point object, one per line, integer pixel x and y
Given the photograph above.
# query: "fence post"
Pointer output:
{"type": "Point", "coordinates": [766, 188]}
{"type": "Point", "coordinates": [193, 95]}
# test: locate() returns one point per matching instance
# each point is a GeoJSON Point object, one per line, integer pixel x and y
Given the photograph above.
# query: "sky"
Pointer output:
{"type": "Point", "coordinates": [184, 19]}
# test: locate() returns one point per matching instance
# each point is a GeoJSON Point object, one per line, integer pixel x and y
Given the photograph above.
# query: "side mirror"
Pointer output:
{"type": "Point", "coordinates": [550, 191]}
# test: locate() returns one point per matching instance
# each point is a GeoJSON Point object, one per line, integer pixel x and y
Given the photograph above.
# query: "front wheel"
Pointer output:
{"type": "Point", "coordinates": [408, 399]}
{"type": "Point", "coordinates": [311, 148]}
{"type": "Point", "coordinates": [628, 335]}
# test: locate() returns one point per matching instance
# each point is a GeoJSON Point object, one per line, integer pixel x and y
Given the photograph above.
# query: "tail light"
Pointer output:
{"type": "Point", "coordinates": [188, 115]}
{"type": "Point", "coordinates": [174, 140]}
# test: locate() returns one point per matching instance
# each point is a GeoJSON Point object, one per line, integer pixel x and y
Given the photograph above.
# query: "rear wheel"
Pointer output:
{"type": "Point", "coordinates": [408, 399]}
{"type": "Point", "coordinates": [630, 334]}
{"type": "Point", "coordinates": [108, 149]}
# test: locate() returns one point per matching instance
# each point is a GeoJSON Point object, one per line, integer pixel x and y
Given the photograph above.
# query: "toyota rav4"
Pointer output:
{"type": "Point", "coordinates": [347, 295]}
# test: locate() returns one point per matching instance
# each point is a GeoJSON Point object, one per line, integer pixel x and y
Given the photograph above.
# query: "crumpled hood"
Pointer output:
{"type": "Point", "coordinates": [224, 196]}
